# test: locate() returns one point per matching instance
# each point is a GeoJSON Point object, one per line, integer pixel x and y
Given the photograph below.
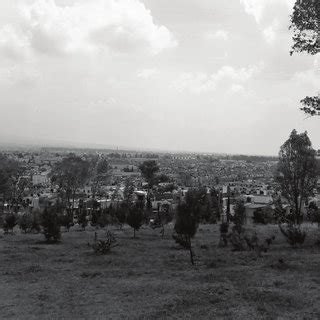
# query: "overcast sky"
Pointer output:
{"type": "Point", "coordinates": [198, 75]}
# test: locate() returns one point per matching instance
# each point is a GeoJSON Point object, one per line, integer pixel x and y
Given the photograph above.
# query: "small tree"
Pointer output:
{"type": "Point", "coordinates": [82, 218]}
{"type": "Point", "coordinates": [239, 217]}
{"type": "Point", "coordinates": [148, 170]}
{"type": "Point", "coordinates": [25, 222]}
{"type": "Point", "coordinates": [50, 225]}
{"type": "Point", "coordinates": [121, 214]}
{"type": "Point", "coordinates": [10, 221]}
{"type": "Point", "coordinates": [186, 226]}
{"type": "Point", "coordinates": [66, 220]}
{"type": "Point", "coordinates": [135, 219]}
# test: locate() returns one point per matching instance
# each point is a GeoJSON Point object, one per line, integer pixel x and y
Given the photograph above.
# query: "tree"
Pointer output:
{"type": "Point", "coordinates": [305, 23]}
{"type": "Point", "coordinates": [186, 226]}
{"type": "Point", "coordinates": [148, 170]}
{"type": "Point", "coordinates": [10, 221]}
{"type": "Point", "coordinates": [70, 174]}
{"type": "Point", "coordinates": [239, 216]}
{"type": "Point", "coordinates": [135, 219]}
{"type": "Point", "coordinates": [50, 225]}
{"type": "Point", "coordinates": [10, 171]}
{"type": "Point", "coordinates": [101, 175]}
{"type": "Point", "coordinates": [297, 172]}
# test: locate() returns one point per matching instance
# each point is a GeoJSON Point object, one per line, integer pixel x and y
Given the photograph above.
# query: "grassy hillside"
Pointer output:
{"type": "Point", "coordinates": [151, 278]}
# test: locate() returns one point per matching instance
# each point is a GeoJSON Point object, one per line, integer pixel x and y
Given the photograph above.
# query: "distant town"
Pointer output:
{"type": "Point", "coordinates": [231, 176]}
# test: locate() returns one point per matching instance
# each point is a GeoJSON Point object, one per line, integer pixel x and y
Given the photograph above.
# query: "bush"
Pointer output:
{"type": "Point", "coordinates": [135, 219]}
{"type": "Point", "coordinates": [82, 219]}
{"type": "Point", "coordinates": [293, 233]}
{"type": "Point", "coordinates": [224, 227]}
{"type": "Point", "coordinates": [104, 246]}
{"type": "Point", "coordinates": [26, 222]}
{"type": "Point", "coordinates": [239, 216]}
{"type": "Point", "coordinates": [51, 225]}
{"type": "Point", "coordinates": [9, 222]}
{"type": "Point", "coordinates": [237, 239]}
{"type": "Point", "coordinates": [66, 221]}
{"type": "Point", "coordinates": [262, 216]}
{"type": "Point", "coordinates": [185, 227]}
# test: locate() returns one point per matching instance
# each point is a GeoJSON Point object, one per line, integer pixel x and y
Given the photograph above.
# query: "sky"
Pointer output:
{"type": "Point", "coordinates": [182, 75]}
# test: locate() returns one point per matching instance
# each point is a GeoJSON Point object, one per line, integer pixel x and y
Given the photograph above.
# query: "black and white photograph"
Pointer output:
{"type": "Point", "coordinates": [160, 159]}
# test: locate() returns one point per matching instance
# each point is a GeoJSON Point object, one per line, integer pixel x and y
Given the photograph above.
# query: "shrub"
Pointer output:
{"type": "Point", "coordinates": [51, 226]}
{"type": "Point", "coordinates": [135, 219]}
{"type": "Point", "coordinates": [293, 233]}
{"type": "Point", "coordinates": [29, 222]}
{"type": "Point", "coordinates": [26, 222]}
{"type": "Point", "coordinates": [9, 222]}
{"type": "Point", "coordinates": [262, 216]}
{"type": "Point", "coordinates": [66, 221]}
{"type": "Point", "coordinates": [104, 246]}
{"type": "Point", "coordinates": [236, 238]}
{"type": "Point", "coordinates": [82, 219]}
{"type": "Point", "coordinates": [239, 216]}
{"type": "Point", "coordinates": [224, 227]}
{"type": "Point", "coordinates": [185, 227]}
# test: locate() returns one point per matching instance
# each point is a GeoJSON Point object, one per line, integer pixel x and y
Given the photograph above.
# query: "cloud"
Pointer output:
{"type": "Point", "coordinates": [202, 82]}
{"type": "Point", "coordinates": [115, 26]}
{"type": "Point", "coordinates": [147, 73]}
{"type": "Point", "coordinates": [307, 79]}
{"type": "Point", "coordinates": [270, 31]}
{"type": "Point", "coordinates": [258, 8]}
{"type": "Point", "coordinates": [218, 35]}
{"type": "Point", "coordinates": [13, 45]}
{"type": "Point", "coordinates": [271, 16]}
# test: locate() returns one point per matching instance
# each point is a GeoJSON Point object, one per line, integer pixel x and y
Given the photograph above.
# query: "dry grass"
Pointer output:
{"type": "Point", "coordinates": [150, 278]}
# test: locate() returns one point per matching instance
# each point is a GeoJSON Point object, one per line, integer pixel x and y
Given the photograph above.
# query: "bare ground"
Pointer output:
{"type": "Point", "coordinates": [151, 278]}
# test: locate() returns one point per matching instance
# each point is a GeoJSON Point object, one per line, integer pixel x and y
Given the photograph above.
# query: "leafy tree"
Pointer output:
{"type": "Point", "coordinates": [101, 172]}
{"type": "Point", "coordinates": [82, 218]}
{"type": "Point", "coordinates": [297, 172]}
{"type": "Point", "coordinates": [135, 219]}
{"type": "Point", "coordinates": [239, 217]}
{"type": "Point", "coordinates": [314, 213]}
{"type": "Point", "coordinates": [25, 222]}
{"type": "Point", "coordinates": [66, 220]}
{"type": "Point", "coordinates": [10, 171]}
{"type": "Point", "coordinates": [185, 227]}
{"type": "Point", "coordinates": [50, 225]}
{"type": "Point", "coordinates": [305, 23]}
{"type": "Point", "coordinates": [121, 213]}
{"type": "Point", "coordinates": [70, 174]}
{"type": "Point", "coordinates": [148, 170]}
{"type": "Point", "coordinates": [297, 177]}
{"type": "Point", "coordinates": [10, 221]}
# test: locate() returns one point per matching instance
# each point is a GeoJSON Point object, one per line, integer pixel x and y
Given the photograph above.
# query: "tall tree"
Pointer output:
{"type": "Point", "coordinates": [101, 172]}
{"type": "Point", "coordinates": [305, 23]}
{"type": "Point", "coordinates": [70, 174]}
{"type": "Point", "coordinates": [297, 172]}
{"type": "Point", "coordinates": [148, 170]}
{"type": "Point", "coordinates": [10, 171]}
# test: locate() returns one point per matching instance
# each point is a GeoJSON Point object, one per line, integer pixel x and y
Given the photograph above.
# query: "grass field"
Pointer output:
{"type": "Point", "coordinates": [151, 278]}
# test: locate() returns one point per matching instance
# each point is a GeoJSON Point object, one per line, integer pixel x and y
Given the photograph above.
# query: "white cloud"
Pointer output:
{"type": "Point", "coordinates": [147, 73]}
{"type": "Point", "coordinates": [308, 79]}
{"type": "Point", "coordinates": [117, 26]}
{"type": "Point", "coordinates": [227, 75]}
{"type": "Point", "coordinates": [270, 31]}
{"type": "Point", "coordinates": [218, 35]}
{"type": "Point", "coordinates": [13, 45]}
{"type": "Point", "coordinates": [257, 8]}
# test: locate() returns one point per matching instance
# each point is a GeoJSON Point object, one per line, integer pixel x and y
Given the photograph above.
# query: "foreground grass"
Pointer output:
{"type": "Point", "coordinates": [151, 278]}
